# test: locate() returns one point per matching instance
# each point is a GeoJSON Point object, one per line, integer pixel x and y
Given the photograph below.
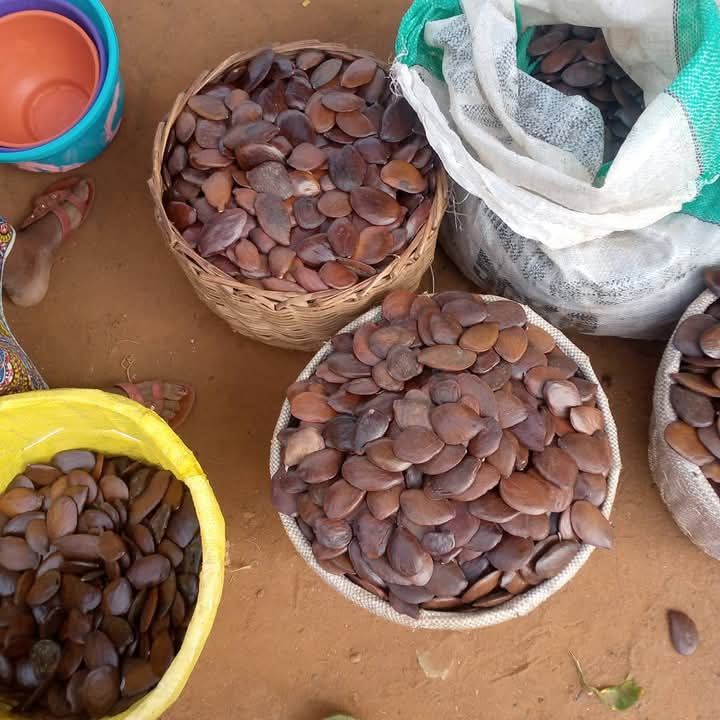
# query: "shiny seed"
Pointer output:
{"type": "Point", "coordinates": [683, 632]}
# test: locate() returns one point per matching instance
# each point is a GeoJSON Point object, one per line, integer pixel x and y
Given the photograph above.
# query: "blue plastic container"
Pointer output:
{"type": "Point", "coordinates": [96, 130]}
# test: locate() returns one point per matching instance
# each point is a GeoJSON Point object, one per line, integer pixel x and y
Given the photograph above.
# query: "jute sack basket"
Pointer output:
{"type": "Point", "coordinates": [299, 322]}
{"type": "Point", "coordinates": [688, 494]}
{"type": "Point", "coordinates": [34, 426]}
{"type": "Point", "coordinates": [435, 620]}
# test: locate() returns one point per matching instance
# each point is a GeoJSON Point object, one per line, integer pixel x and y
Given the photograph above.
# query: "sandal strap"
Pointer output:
{"type": "Point", "coordinates": [158, 396]}
{"type": "Point", "coordinates": [51, 201]}
{"type": "Point", "coordinates": [81, 205]}
{"type": "Point", "coordinates": [132, 391]}
{"type": "Point", "coordinates": [65, 223]}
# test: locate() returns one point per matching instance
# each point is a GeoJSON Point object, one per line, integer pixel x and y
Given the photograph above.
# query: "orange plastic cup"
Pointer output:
{"type": "Point", "coordinates": [48, 77]}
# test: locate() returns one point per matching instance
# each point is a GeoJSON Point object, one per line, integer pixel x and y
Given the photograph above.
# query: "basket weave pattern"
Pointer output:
{"type": "Point", "coordinates": [300, 322]}
{"type": "Point", "coordinates": [453, 620]}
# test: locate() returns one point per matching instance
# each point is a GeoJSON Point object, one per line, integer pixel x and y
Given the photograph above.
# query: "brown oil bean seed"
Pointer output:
{"type": "Point", "coordinates": [80, 583]}
{"type": "Point", "coordinates": [440, 467]}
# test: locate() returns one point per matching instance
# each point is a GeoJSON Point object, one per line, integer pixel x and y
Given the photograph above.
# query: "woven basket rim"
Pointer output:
{"type": "Point", "coordinates": [518, 605]}
{"type": "Point", "coordinates": [272, 298]}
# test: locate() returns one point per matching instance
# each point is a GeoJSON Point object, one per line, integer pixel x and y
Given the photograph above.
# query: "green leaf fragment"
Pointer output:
{"type": "Point", "coordinates": [340, 717]}
{"type": "Point", "coordinates": [617, 697]}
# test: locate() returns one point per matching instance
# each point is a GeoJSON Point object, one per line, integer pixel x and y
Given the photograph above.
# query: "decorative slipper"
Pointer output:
{"type": "Point", "coordinates": [132, 390]}
{"type": "Point", "coordinates": [53, 198]}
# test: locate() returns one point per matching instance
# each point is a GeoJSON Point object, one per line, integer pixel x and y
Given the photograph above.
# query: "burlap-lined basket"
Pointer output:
{"type": "Point", "coordinates": [435, 620]}
{"type": "Point", "coordinates": [300, 322]}
{"type": "Point", "coordinates": [684, 489]}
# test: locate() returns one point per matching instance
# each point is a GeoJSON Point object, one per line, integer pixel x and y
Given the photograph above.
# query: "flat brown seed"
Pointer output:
{"type": "Point", "coordinates": [539, 338]}
{"type": "Point", "coordinates": [506, 314]}
{"type": "Point", "coordinates": [528, 493]}
{"type": "Point", "coordinates": [148, 571]}
{"type": "Point", "coordinates": [403, 176]}
{"type": "Point", "coordinates": [587, 420]}
{"type": "Point", "coordinates": [337, 276]}
{"type": "Point", "coordinates": [359, 72]}
{"type": "Point", "coordinates": [590, 525]}
{"type": "Point", "coordinates": [373, 245]}
{"type": "Point", "coordinates": [455, 423]}
{"type": "Point", "coordinates": [208, 107]}
{"type": "Point", "coordinates": [683, 632]}
{"type": "Point", "coordinates": [325, 72]}
{"type": "Point", "coordinates": [19, 500]}
{"type": "Point", "coordinates": [342, 499]}
{"type": "Point", "coordinates": [511, 344]}
{"type": "Point", "coordinates": [449, 358]}
{"type": "Point", "coordinates": [347, 168]}
{"type": "Point", "coordinates": [687, 336]}
{"type": "Point", "coordinates": [511, 553]}
{"type": "Point", "coordinates": [492, 508]}
{"type": "Point", "coordinates": [561, 396]}
{"type": "Point", "coordinates": [355, 124]}
{"type": "Point", "coordinates": [398, 120]}
{"type": "Point", "coordinates": [454, 482]}
{"type": "Point", "coordinates": [592, 454]}
{"type": "Point", "coordinates": [375, 206]}
{"type": "Point", "coordinates": [362, 474]}
{"type": "Point", "coordinates": [342, 236]}
{"type": "Point", "coordinates": [583, 74]}
{"type": "Point", "coordinates": [273, 217]}
{"type": "Point", "coordinates": [417, 445]}
{"type": "Point", "coordinates": [556, 558]}
{"type": "Point", "coordinates": [336, 204]}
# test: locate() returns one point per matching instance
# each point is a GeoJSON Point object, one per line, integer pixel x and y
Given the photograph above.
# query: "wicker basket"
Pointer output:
{"type": "Point", "coordinates": [516, 607]}
{"type": "Point", "coordinates": [300, 322]}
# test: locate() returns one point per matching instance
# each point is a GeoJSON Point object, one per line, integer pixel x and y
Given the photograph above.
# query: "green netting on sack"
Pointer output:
{"type": "Point", "coordinates": [697, 88]}
{"type": "Point", "coordinates": [410, 46]}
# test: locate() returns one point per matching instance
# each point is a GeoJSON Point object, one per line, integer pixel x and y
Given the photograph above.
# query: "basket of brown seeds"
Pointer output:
{"type": "Point", "coordinates": [295, 190]}
{"type": "Point", "coordinates": [684, 434]}
{"type": "Point", "coordinates": [447, 461]}
{"type": "Point", "coordinates": [111, 560]}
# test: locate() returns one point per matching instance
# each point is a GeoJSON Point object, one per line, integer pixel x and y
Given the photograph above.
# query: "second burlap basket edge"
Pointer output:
{"type": "Point", "coordinates": [449, 620]}
{"type": "Point", "coordinates": [686, 492]}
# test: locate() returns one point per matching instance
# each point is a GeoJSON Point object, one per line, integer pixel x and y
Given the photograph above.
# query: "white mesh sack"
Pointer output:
{"type": "Point", "coordinates": [683, 487]}
{"type": "Point", "coordinates": [449, 620]}
{"type": "Point", "coordinates": [618, 246]}
{"type": "Point", "coordinates": [634, 283]}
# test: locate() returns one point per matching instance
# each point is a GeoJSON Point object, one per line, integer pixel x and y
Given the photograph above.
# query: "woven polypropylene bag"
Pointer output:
{"type": "Point", "coordinates": [683, 487]}
{"type": "Point", "coordinates": [530, 152]}
{"type": "Point", "coordinates": [35, 426]}
{"type": "Point", "coordinates": [434, 620]}
{"type": "Point", "coordinates": [536, 216]}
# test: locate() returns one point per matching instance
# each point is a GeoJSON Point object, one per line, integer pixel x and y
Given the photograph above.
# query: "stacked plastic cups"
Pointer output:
{"type": "Point", "coordinates": [64, 121]}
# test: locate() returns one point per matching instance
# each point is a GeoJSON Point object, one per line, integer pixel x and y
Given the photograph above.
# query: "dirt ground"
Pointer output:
{"type": "Point", "coordinates": [284, 645]}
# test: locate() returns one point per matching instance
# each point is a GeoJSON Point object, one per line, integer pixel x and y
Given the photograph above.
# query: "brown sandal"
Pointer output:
{"type": "Point", "coordinates": [53, 198]}
{"type": "Point", "coordinates": [157, 403]}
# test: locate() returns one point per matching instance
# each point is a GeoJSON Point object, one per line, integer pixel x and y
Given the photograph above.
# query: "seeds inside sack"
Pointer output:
{"type": "Point", "coordinates": [447, 457]}
{"type": "Point", "coordinates": [576, 61]}
{"type": "Point", "coordinates": [99, 577]}
{"type": "Point", "coordinates": [695, 392]}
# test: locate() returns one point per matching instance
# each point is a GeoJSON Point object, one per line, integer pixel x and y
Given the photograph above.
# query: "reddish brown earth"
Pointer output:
{"type": "Point", "coordinates": [284, 646]}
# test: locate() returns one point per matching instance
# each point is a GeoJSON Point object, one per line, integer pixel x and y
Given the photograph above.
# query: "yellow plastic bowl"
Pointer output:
{"type": "Point", "coordinates": [36, 425]}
